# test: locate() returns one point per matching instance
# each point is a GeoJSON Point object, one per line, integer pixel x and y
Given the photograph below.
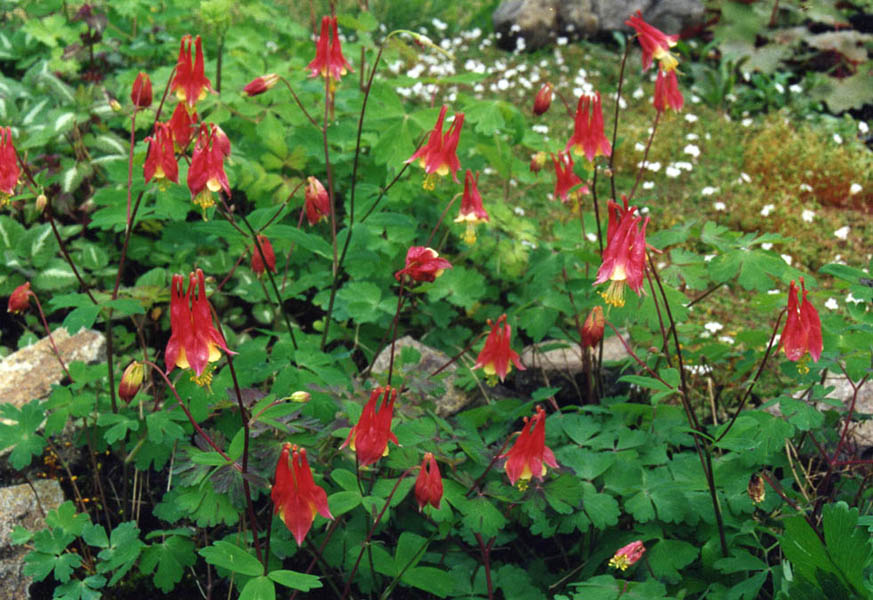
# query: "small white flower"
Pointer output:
{"type": "Point", "coordinates": [855, 188]}
{"type": "Point", "coordinates": [768, 208]}
{"type": "Point", "coordinates": [683, 164]}
{"type": "Point", "coordinates": [695, 99]}
{"type": "Point", "coordinates": [713, 327]}
{"type": "Point", "coordinates": [779, 88]}
{"type": "Point", "coordinates": [805, 187]}
{"type": "Point", "coordinates": [439, 24]}
{"type": "Point", "coordinates": [708, 191]}
{"type": "Point", "coordinates": [648, 185]}
{"type": "Point", "coordinates": [744, 177]}
{"type": "Point", "coordinates": [653, 166]}
{"type": "Point", "coordinates": [540, 128]}
{"type": "Point", "coordinates": [528, 244]}
{"type": "Point", "coordinates": [862, 127]}
{"type": "Point", "coordinates": [766, 245]}
{"type": "Point", "coordinates": [838, 138]}
{"type": "Point", "coordinates": [639, 147]}
{"type": "Point", "coordinates": [692, 150]}
{"type": "Point", "coordinates": [520, 44]}
{"type": "Point", "coordinates": [719, 206]}
{"type": "Point", "coordinates": [644, 210]}
{"type": "Point", "coordinates": [787, 259]}
{"type": "Point", "coordinates": [831, 304]}
{"type": "Point", "coordinates": [690, 118]}
{"type": "Point", "coordinates": [773, 292]}
{"type": "Point", "coordinates": [708, 257]}
{"type": "Point", "coordinates": [691, 137]}
{"type": "Point", "coordinates": [807, 215]}
{"type": "Point", "coordinates": [842, 233]}
{"type": "Point", "coordinates": [591, 237]}
{"type": "Point", "coordinates": [795, 88]}
{"type": "Point", "coordinates": [519, 211]}
{"type": "Point", "coordinates": [561, 41]}
{"type": "Point", "coordinates": [638, 93]}
{"type": "Point", "coordinates": [852, 299]}
{"type": "Point", "coordinates": [747, 122]}
{"type": "Point", "coordinates": [515, 28]}
{"type": "Point", "coordinates": [672, 171]}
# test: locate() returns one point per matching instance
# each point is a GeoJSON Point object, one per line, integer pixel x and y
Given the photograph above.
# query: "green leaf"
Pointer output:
{"type": "Point", "coordinates": [430, 579]}
{"type": "Point", "coordinates": [259, 588]}
{"type": "Point", "coordinates": [168, 560]}
{"type": "Point", "coordinates": [95, 535]}
{"type": "Point", "coordinates": [22, 436]}
{"type": "Point", "coordinates": [78, 589]}
{"type": "Point", "coordinates": [847, 544]}
{"type": "Point", "coordinates": [124, 549]}
{"type": "Point", "coordinates": [601, 508]}
{"type": "Point", "coordinates": [460, 286]}
{"type": "Point", "coordinates": [294, 580]}
{"type": "Point", "coordinates": [481, 516]}
{"type": "Point", "coordinates": [81, 318]}
{"type": "Point", "coordinates": [119, 424]}
{"type": "Point", "coordinates": [126, 306]}
{"type": "Point", "coordinates": [668, 556]}
{"type": "Point", "coordinates": [56, 275]}
{"type": "Point", "coordinates": [410, 548]}
{"type": "Point", "coordinates": [231, 557]}
{"type": "Point", "coordinates": [342, 502]}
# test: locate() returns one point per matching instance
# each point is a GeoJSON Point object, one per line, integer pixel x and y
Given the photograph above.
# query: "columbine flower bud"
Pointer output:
{"type": "Point", "coordinates": [115, 105]}
{"type": "Point", "coordinates": [300, 396]}
{"type": "Point", "coordinates": [627, 555]}
{"type": "Point", "coordinates": [141, 94]}
{"type": "Point", "coordinates": [543, 99]}
{"type": "Point", "coordinates": [131, 381]}
{"type": "Point", "coordinates": [269, 259]}
{"type": "Point", "coordinates": [317, 201]}
{"type": "Point", "coordinates": [592, 329]}
{"type": "Point", "coordinates": [537, 161]}
{"type": "Point", "coordinates": [261, 84]}
{"type": "Point", "coordinates": [19, 301]}
{"type": "Point", "coordinates": [41, 202]}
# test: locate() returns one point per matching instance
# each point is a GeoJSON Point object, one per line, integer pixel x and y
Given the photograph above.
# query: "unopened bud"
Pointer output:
{"type": "Point", "coordinates": [41, 202]}
{"type": "Point", "coordinates": [258, 263]}
{"type": "Point", "coordinates": [300, 396]}
{"type": "Point", "coordinates": [259, 85]}
{"type": "Point", "coordinates": [537, 161]}
{"type": "Point", "coordinates": [543, 99]}
{"type": "Point", "coordinates": [141, 94]}
{"type": "Point", "coordinates": [592, 330]}
{"type": "Point", "coordinates": [131, 381]}
{"type": "Point", "coordinates": [756, 489]}
{"type": "Point", "coordinates": [114, 105]}
{"type": "Point", "coordinates": [19, 301]}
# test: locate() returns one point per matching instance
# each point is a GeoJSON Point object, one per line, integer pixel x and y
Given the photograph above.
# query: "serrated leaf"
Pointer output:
{"type": "Point", "coordinates": [168, 560]}
{"type": "Point", "coordinates": [668, 556]}
{"type": "Point", "coordinates": [82, 317]}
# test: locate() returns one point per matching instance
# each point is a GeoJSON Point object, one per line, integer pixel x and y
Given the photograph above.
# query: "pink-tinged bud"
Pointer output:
{"type": "Point", "coordinates": [269, 259]}
{"type": "Point", "coordinates": [131, 381]}
{"type": "Point", "coordinates": [627, 555]}
{"type": "Point", "coordinates": [19, 301]}
{"type": "Point", "coordinates": [538, 161]}
{"type": "Point", "coordinates": [543, 99]}
{"type": "Point", "coordinates": [141, 94]}
{"type": "Point", "coordinates": [592, 329]}
{"type": "Point", "coordinates": [317, 201]}
{"type": "Point", "coordinates": [261, 84]}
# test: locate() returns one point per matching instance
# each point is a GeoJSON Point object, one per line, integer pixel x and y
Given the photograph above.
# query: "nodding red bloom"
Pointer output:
{"type": "Point", "coordinates": [141, 93]}
{"type": "Point", "coordinates": [261, 84]}
{"type": "Point", "coordinates": [9, 170]}
{"type": "Point", "coordinates": [472, 212]}
{"type": "Point", "coordinates": [667, 94]}
{"type": "Point", "coordinates": [296, 497]}
{"type": "Point", "coordinates": [592, 330]}
{"type": "Point", "coordinates": [654, 42]}
{"type": "Point", "coordinates": [802, 331]}
{"type": "Point", "coordinates": [529, 454]}
{"type": "Point", "coordinates": [194, 340]}
{"type": "Point", "coordinates": [439, 155]}
{"type": "Point", "coordinates": [19, 300]}
{"type": "Point", "coordinates": [182, 124]}
{"type": "Point", "coordinates": [429, 484]}
{"type": "Point", "coordinates": [160, 161]}
{"type": "Point", "coordinates": [588, 137]}
{"type": "Point", "coordinates": [131, 381]}
{"type": "Point", "coordinates": [190, 83]}
{"type": "Point", "coordinates": [423, 264]}
{"type": "Point", "coordinates": [369, 438]}
{"type": "Point", "coordinates": [206, 174]}
{"type": "Point", "coordinates": [329, 60]}
{"type": "Point", "coordinates": [317, 201]}
{"type": "Point", "coordinates": [624, 259]}
{"type": "Point", "coordinates": [496, 354]}
{"type": "Point", "coordinates": [565, 178]}
{"type": "Point", "coordinates": [543, 99]}
{"type": "Point", "coordinates": [258, 265]}
{"type": "Point", "coordinates": [627, 555]}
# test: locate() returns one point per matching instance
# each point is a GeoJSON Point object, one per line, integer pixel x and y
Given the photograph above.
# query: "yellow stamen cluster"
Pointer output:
{"type": "Point", "coordinates": [619, 561]}
{"type": "Point", "coordinates": [205, 378]}
{"type": "Point", "coordinates": [430, 182]}
{"type": "Point", "coordinates": [614, 294]}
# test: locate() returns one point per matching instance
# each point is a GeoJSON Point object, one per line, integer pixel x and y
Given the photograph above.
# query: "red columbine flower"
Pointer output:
{"type": "Point", "coordinates": [472, 211]}
{"type": "Point", "coordinates": [270, 256]}
{"type": "Point", "coordinates": [565, 178]}
{"type": "Point", "coordinates": [160, 161]}
{"type": "Point", "coordinates": [654, 42]}
{"type": "Point", "coordinates": [592, 330]}
{"type": "Point", "coordinates": [182, 124]}
{"type": "Point", "coordinates": [259, 85]}
{"type": "Point", "coordinates": [19, 300]}
{"type": "Point", "coordinates": [588, 137]}
{"type": "Point", "coordinates": [190, 83]}
{"type": "Point", "coordinates": [317, 201]}
{"type": "Point", "coordinates": [802, 332]}
{"type": "Point", "coordinates": [194, 340]}
{"type": "Point", "coordinates": [423, 264]}
{"type": "Point", "coordinates": [627, 555]}
{"type": "Point", "coordinates": [496, 354]}
{"type": "Point", "coordinates": [624, 259]}
{"type": "Point", "coordinates": [439, 155]}
{"type": "Point", "coordinates": [529, 455]}
{"type": "Point", "coordinates": [296, 497]}
{"type": "Point", "coordinates": [9, 170]}
{"type": "Point", "coordinates": [141, 93]}
{"type": "Point", "coordinates": [206, 173]}
{"type": "Point", "coordinates": [329, 60]}
{"type": "Point", "coordinates": [543, 99]}
{"type": "Point", "coordinates": [131, 381]}
{"type": "Point", "coordinates": [667, 94]}
{"type": "Point", "coordinates": [429, 484]}
{"type": "Point", "coordinates": [369, 438]}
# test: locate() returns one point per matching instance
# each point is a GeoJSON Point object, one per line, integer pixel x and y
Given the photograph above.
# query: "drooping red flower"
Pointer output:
{"type": "Point", "coordinates": [543, 99]}
{"type": "Point", "coordinates": [654, 43]}
{"type": "Point", "coordinates": [190, 83]}
{"type": "Point", "coordinates": [194, 341]}
{"type": "Point", "coordinates": [19, 300]}
{"type": "Point", "coordinates": [141, 93]}
{"type": "Point", "coordinates": [296, 497]}
{"type": "Point", "coordinates": [588, 134]}
{"type": "Point", "coordinates": [592, 329]}
{"type": "Point", "coordinates": [369, 438]}
{"type": "Point", "coordinates": [131, 381]}
{"type": "Point", "coordinates": [496, 357]}
{"type": "Point", "coordinates": [258, 264]}
{"type": "Point", "coordinates": [206, 174]}
{"type": "Point", "coordinates": [624, 258]}
{"type": "Point", "coordinates": [9, 170]}
{"type": "Point", "coordinates": [261, 84]}
{"type": "Point", "coordinates": [529, 454]}
{"type": "Point", "coordinates": [423, 264]}
{"type": "Point", "coordinates": [627, 555]}
{"type": "Point", "coordinates": [472, 212]}
{"type": "Point", "coordinates": [802, 331]}
{"type": "Point", "coordinates": [160, 161]}
{"type": "Point", "coordinates": [317, 201]}
{"type": "Point", "coordinates": [439, 155]}
{"type": "Point", "coordinates": [667, 94]}
{"type": "Point", "coordinates": [429, 484]}
{"type": "Point", "coordinates": [329, 60]}
{"type": "Point", "coordinates": [565, 178]}
{"type": "Point", "coordinates": [183, 125]}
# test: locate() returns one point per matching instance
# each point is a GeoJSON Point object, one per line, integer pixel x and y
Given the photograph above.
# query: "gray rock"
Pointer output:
{"type": "Point", "coordinates": [416, 375]}
{"type": "Point", "coordinates": [563, 357]}
{"type": "Point", "coordinates": [19, 506]}
{"type": "Point", "coordinates": [861, 431]}
{"type": "Point", "coordinates": [30, 372]}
